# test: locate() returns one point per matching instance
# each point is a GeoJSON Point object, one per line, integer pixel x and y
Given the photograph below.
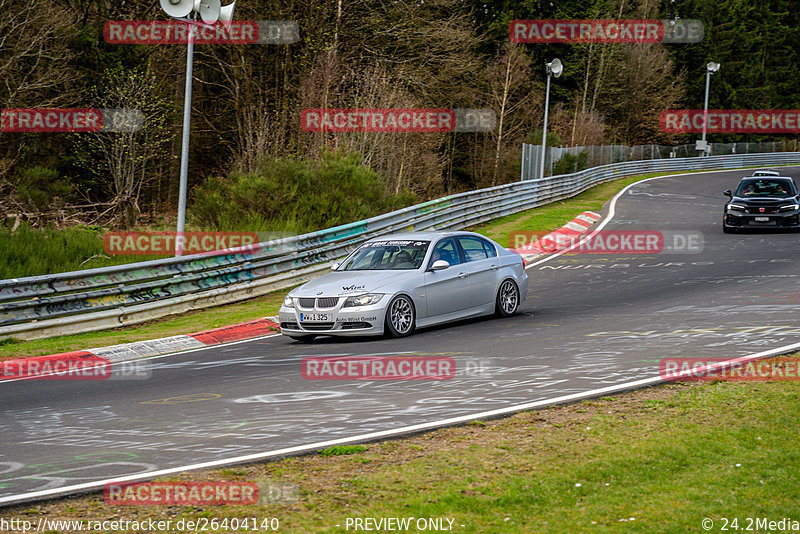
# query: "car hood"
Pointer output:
{"type": "Point", "coordinates": [340, 283]}
{"type": "Point", "coordinates": [764, 200]}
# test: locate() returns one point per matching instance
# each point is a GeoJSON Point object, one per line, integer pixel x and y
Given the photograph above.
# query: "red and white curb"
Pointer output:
{"type": "Point", "coordinates": [560, 239]}
{"type": "Point", "coordinates": [166, 345]}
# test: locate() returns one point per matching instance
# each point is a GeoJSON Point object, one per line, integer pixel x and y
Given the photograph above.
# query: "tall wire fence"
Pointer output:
{"type": "Point", "coordinates": [561, 160]}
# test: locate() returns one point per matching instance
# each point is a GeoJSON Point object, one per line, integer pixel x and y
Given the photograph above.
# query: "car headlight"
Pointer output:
{"type": "Point", "coordinates": [363, 300]}
{"type": "Point", "coordinates": [790, 207]}
{"type": "Point", "coordinates": [736, 207]}
{"type": "Point", "coordinates": [288, 302]}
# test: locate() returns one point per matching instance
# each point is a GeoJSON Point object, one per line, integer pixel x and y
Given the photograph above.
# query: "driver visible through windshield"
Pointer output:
{"type": "Point", "coordinates": [765, 187]}
{"type": "Point", "coordinates": [387, 255]}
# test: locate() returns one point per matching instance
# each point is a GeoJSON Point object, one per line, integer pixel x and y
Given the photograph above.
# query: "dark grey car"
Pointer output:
{"type": "Point", "coordinates": [762, 202]}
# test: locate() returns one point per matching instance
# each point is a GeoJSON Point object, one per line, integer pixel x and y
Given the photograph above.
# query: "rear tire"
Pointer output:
{"type": "Point", "coordinates": [400, 317]}
{"type": "Point", "coordinates": [507, 301]}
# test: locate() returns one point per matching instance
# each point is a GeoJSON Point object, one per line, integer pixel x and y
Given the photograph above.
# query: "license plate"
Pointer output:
{"type": "Point", "coordinates": [314, 318]}
{"type": "Point", "coordinates": [762, 219]}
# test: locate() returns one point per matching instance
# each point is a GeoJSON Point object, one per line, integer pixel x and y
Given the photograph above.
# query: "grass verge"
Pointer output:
{"type": "Point", "coordinates": [654, 460]}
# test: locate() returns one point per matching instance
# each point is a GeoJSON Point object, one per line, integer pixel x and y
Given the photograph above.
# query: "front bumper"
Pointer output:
{"type": "Point", "coordinates": [337, 321]}
{"type": "Point", "coordinates": [739, 219]}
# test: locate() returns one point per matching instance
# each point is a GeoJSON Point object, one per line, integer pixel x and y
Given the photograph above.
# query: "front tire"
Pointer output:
{"type": "Point", "coordinates": [400, 317]}
{"type": "Point", "coordinates": [507, 301]}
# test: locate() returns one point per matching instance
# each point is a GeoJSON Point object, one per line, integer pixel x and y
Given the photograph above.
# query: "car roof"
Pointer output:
{"type": "Point", "coordinates": [422, 236]}
{"type": "Point", "coordinates": [766, 172]}
{"type": "Point", "coordinates": [754, 178]}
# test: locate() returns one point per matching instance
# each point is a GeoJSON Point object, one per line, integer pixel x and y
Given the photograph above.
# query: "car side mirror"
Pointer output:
{"type": "Point", "coordinates": [439, 265]}
{"type": "Point", "coordinates": [334, 266]}
{"type": "Point", "coordinates": [728, 193]}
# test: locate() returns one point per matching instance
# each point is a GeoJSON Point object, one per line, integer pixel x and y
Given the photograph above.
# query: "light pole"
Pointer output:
{"type": "Point", "coordinates": [210, 11]}
{"type": "Point", "coordinates": [554, 68]}
{"type": "Point", "coordinates": [711, 68]}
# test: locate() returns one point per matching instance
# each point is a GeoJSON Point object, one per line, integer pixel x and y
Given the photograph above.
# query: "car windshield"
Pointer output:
{"type": "Point", "coordinates": [765, 187]}
{"type": "Point", "coordinates": [391, 255]}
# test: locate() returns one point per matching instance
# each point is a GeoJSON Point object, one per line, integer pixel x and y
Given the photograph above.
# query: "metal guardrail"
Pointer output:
{"type": "Point", "coordinates": [95, 299]}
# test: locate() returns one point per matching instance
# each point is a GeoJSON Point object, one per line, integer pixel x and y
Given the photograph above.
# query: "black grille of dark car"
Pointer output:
{"type": "Point", "coordinates": [757, 209]}
{"type": "Point", "coordinates": [327, 302]}
{"type": "Point", "coordinates": [306, 303]}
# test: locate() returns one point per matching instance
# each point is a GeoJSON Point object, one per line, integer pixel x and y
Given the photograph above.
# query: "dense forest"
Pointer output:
{"type": "Point", "coordinates": [249, 155]}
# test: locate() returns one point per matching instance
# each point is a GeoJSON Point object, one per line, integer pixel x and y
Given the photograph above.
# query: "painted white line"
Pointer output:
{"type": "Point", "coordinates": [372, 436]}
{"type": "Point", "coordinates": [612, 210]}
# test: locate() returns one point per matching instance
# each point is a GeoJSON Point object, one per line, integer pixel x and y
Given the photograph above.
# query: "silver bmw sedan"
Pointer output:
{"type": "Point", "coordinates": [396, 283]}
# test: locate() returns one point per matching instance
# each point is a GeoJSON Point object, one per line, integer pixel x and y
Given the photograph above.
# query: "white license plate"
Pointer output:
{"type": "Point", "coordinates": [314, 317]}
{"type": "Point", "coordinates": [762, 219]}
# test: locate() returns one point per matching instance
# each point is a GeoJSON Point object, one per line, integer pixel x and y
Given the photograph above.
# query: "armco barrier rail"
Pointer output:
{"type": "Point", "coordinates": [96, 299]}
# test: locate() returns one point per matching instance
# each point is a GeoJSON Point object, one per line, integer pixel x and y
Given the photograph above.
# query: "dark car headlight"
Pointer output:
{"type": "Point", "coordinates": [363, 300]}
{"type": "Point", "coordinates": [736, 207]}
{"type": "Point", "coordinates": [790, 207]}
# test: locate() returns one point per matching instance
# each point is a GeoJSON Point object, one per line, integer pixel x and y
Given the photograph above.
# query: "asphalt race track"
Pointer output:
{"type": "Point", "coordinates": [591, 321]}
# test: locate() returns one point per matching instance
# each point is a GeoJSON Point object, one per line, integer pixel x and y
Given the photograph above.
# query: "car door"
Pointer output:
{"type": "Point", "coordinates": [447, 291]}
{"type": "Point", "coordinates": [482, 266]}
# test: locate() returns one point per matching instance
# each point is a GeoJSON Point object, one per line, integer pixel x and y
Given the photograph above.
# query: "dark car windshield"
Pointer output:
{"type": "Point", "coordinates": [765, 187]}
{"type": "Point", "coordinates": [387, 255]}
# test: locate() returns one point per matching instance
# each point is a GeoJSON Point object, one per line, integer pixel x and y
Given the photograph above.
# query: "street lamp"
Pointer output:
{"type": "Point", "coordinates": [554, 68]}
{"type": "Point", "coordinates": [711, 68]}
{"type": "Point", "coordinates": [209, 11]}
